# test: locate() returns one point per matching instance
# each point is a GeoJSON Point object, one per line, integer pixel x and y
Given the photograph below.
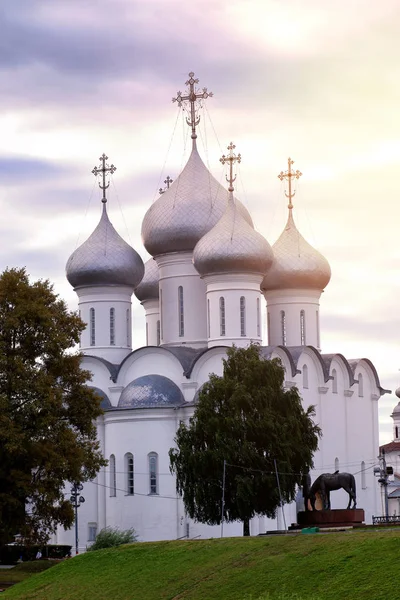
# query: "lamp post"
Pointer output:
{"type": "Point", "coordinates": [76, 500]}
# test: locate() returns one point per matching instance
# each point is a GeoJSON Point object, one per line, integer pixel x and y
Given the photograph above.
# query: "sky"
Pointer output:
{"type": "Point", "coordinates": [315, 80]}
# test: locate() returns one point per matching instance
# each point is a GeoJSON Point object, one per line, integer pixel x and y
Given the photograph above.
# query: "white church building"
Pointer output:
{"type": "Point", "coordinates": [203, 290]}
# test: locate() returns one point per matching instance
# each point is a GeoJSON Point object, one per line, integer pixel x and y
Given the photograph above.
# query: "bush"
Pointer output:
{"type": "Point", "coordinates": [113, 536]}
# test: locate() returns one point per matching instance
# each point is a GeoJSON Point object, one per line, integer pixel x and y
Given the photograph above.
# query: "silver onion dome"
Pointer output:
{"type": "Point", "coordinates": [148, 288]}
{"type": "Point", "coordinates": [151, 391]}
{"type": "Point", "coordinates": [104, 259]}
{"type": "Point", "coordinates": [232, 246]}
{"type": "Point", "coordinates": [186, 211]}
{"type": "Point", "coordinates": [297, 265]}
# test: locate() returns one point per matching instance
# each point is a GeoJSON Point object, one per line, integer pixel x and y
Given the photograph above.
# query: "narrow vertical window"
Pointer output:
{"type": "Point", "coordinates": [363, 478]}
{"type": "Point", "coordinates": [161, 316]}
{"type": "Point", "coordinates": [113, 476]}
{"type": "Point", "coordinates": [242, 316]}
{"type": "Point", "coordinates": [318, 337]}
{"type": "Point", "coordinates": [147, 334]}
{"type": "Point", "coordinates": [180, 312]}
{"type": "Point", "coordinates": [158, 333]}
{"type": "Point", "coordinates": [302, 328]}
{"type": "Point", "coordinates": [129, 474]}
{"type": "Point", "coordinates": [128, 327]}
{"type": "Point", "coordinates": [283, 328]}
{"type": "Point", "coordinates": [396, 431]}
{"type": "Point", "coordinates": [92, 532]}
{"type": "Point", "coordinates": [258, 318]}
{"type": "Point", "coordinates": [92, 327]}
{"type": "Point", "coordinates": [336, 464]}
{"type": "Point", "coordinates": [112, 326]}
{"type": "Point", "coordinates": [208, 317]}
{"type": "Point", "coordinates": [269, 328]}
{"type": "Point", "coordinates": [305, 376]}
{"type": "Point", "coordinates": [222, 316]}
{"type": "Point", "coordinates": [334, 381]}
{"type": "Point", "coordinates": [153, 467]}
{"type": "Point", "coordinates": [360, 385]}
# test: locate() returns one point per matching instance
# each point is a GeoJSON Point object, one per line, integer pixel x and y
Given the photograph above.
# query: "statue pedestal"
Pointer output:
{"type": "Point", "coordinates": [331, 518]}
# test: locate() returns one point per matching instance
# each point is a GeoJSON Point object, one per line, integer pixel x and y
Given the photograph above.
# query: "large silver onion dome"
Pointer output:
{"type": "Point", "coordinates": [151, 391]}
{"type": "Point", "coordinates": [148, 288]}
{"type": "Point", "coordinates": [297, 265]}
{"type": "Point", "coordinates": [186, 211]}
{"type": "Point", "coordinates": [104, 259]}
{"type": "Point", "coordinates": [232, 246]}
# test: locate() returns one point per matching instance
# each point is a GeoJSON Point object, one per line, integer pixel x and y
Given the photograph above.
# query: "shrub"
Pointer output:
{"type": "Point", "coordinates": [113, 536]}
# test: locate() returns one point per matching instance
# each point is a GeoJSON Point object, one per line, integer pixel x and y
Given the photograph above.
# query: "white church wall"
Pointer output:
{"type": "Point", "coordinates": [149, 360]}
{"type": "Point", "coordinates": [210, 362]}
{"type": "Point", "coordinates": [153, 324]}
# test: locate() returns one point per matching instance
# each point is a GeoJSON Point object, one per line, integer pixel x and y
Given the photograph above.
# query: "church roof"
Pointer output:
{"type": "Point", "coordinates": [187, 210]}
{"type": "Point", "coordinates": [232, 246]}
{"type": "Point", "coordinates": [390, 447]}
{"type": "Point", "coordinates": [297, 265]}
{"type": "Point", "coordinates": [104, 259]}
{"type": "Point", "coordinates": [148, 288]}
{"type": "Point", "coordinates": [151, 391]}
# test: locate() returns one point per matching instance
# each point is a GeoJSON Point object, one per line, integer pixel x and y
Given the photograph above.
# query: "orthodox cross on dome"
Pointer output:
{"type": "Point", "coordinates": [231, 159]}
{"type": "Point", "coordinates": [288, 176]}
{"type": "Point", "coordinates": [103, 169]}
{"type": "Point", "coordinates": [193, 96]}
{"type": "Point", "coordinates": [167, 181]}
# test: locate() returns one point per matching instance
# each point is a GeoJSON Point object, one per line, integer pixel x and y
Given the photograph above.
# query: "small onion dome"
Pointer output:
{"type": "Point", "coordinates": [296, 263]}
{"type": "Point", "coordinates": [151, 391]}
{"type": "Point", "coordinates": [186, 211]}
{"type": "Point", "coordinates": [148, 288]}
{"type": "Point", "coordinates": [104, 259]}
{"type": "Point", "coordinates": [232, 246]}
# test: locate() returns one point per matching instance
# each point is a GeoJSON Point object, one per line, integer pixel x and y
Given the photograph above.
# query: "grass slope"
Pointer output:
{"type": "Point", "coordinates": [360, 565]}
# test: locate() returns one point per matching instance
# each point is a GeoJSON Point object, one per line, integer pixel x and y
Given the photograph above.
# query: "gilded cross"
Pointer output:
{"type": "Point", "coordinates": [167, 181]}
{"type": "Point", "coordinates": [103, 169]}
{"type": "Point", "coordinates": [288, 176]}
{"type": "Point", "coordinates": [231, 159]}
{"type": "Point", "coordinates": [193, 95]}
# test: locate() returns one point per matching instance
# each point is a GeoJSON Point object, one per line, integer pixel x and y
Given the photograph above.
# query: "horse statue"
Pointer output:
{"type": "Point", "coordinates": [328, 482]}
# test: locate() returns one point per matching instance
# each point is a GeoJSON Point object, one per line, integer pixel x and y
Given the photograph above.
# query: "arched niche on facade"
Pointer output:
{"type": "Point", "coordinates": [207, 363]}
{"type": "Point", "coordinates": [148, 360]}
{"type": "Point", "coordinates": [102, 372]}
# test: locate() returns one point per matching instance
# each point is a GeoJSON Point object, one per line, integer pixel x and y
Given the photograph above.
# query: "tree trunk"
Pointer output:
{"type": "Point", "coordinates": [246, 527]}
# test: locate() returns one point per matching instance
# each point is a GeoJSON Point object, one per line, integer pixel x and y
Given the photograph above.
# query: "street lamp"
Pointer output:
{"type": "Point", "coordinates": [76, 500]}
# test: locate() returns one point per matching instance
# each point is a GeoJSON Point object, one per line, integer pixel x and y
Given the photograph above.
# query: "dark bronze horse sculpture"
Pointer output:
{"type": "Point", "coordinates": [326, 483]}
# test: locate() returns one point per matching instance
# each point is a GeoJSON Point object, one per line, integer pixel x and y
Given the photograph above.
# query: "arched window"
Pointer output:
{"type": "Point", "coordinates": [181, 323]}
{"type": "Point", "coordinates": [305, 376]}
{"type": "Point", "coordinates": [258, 318]}
{"type": "Point", "coordinates": [269, 328]}
{"type": "Point", "coordinates": [153, 473]}
{"type": "Point", "coordinates": [222, 316]}
{"type": "Point", "coordinates": [147, 334]}
{"type": "Point", "coordinates": [208, 317]}
{"type": "Point", "coordinates": [92, 327]}
{"type": "Point", "coordinates": [360, 385]}
{"type": "Point", "coordinates": [130, 475]}
{"type": "Point", "coordinates": [318, 336]}
{"type": "Point", "coordinates": [302, 328]}
{"type": "Point", "coordinates": [242, 316]}
{"type": "Point", "coordinates": [112, 326]}
{"type": "Point", "coordinates": [158, 333]}
{"type": "Point", "coordinates": [363, 478]}
{"type": "Point", "coordinates": [283, 328]}
{"type": "Point", "coordinates": [161, 316]}
{"type": "Point", "coordinates": [128, 327]}
{"type": "Point", "coordinates": [334, 381]}
{"type": "Point", "coordinates": [336, 464]}
{"type": "Point", "coordinates": [113, 476]}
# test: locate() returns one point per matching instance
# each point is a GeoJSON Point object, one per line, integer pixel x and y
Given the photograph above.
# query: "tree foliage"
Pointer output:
{"type": "Point", "coordinates": [113, 536]}
{"type": "Point", "coordinates": [247, 419]}
{"type": "Point", "coordinates": [47, 412]}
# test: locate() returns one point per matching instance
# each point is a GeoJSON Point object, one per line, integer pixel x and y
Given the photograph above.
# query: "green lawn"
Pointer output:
{"type": "Point", "coordinates": [348, 565]}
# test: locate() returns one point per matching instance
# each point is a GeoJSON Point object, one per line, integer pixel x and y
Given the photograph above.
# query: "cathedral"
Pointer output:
{"type": "Point", "coordinates": [202, 291]}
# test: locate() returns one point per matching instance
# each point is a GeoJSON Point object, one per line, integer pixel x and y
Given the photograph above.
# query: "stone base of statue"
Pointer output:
{"type": "Point", "coordinates": [331, 518]}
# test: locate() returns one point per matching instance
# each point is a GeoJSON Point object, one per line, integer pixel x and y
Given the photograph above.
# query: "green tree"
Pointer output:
{"type": "Point", "coordinates": [47, 412]}
{"type": "Point", "coordinates": [248, 419]}
{"type": "Point", "coordinates": [113, 536]}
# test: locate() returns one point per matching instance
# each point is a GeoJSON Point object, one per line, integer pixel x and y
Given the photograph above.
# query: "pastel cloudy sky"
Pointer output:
{"type": "Point", "coordinates": [314, 79]}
